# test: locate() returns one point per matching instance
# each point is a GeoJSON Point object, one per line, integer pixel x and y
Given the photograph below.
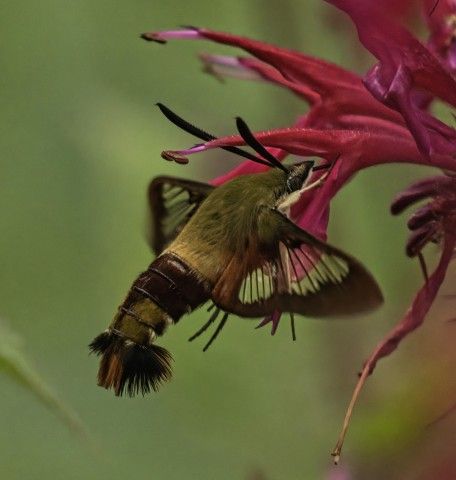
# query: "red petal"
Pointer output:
{"type": "Point", "coordinates": [319, 74]}
{"type": "Point", "coordinates": [340, 90]}
{"type": "Point", "coordinates": [404, 65]}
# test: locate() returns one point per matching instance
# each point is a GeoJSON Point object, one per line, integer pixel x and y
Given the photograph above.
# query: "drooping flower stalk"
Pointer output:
{"type": "Point", "coordinates": [413, 318]}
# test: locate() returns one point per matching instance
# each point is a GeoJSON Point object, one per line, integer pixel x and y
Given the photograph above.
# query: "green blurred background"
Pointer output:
{"type": "Point", "coordinates": [80, 141]}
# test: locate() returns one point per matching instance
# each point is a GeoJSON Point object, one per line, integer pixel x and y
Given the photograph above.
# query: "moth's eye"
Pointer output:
{"type": "Point", "coordinates": [294, 183]}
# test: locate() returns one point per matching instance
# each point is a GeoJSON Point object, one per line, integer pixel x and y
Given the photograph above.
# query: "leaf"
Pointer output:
{"type": "Point", "coordinates": [15, 364]}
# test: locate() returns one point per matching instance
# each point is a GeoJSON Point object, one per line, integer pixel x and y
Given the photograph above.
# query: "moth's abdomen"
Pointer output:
{"type": "Point", "coordinates": [170, 283]}
{"type": "Point", "coordinates": [130, 360]}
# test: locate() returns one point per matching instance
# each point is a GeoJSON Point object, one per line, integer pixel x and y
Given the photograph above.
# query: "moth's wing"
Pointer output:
{"type": "Point", "coordinates": [172, 202]}
{"type": "Point", "coordinates": [292, 271]}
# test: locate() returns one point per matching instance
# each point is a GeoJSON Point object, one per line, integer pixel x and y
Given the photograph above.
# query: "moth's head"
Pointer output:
{"type": "Point", "coordinates": [297, 175]}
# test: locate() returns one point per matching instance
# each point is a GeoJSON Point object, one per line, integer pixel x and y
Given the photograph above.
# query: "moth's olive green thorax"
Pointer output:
{"type": "Point", "coordinates": [227, 220]}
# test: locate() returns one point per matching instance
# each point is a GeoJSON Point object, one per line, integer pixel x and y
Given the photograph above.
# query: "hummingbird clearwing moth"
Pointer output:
{"type": "Point", "coordinates": [229, 245]}
{"type": "Point", "coordinates": [233, 246]}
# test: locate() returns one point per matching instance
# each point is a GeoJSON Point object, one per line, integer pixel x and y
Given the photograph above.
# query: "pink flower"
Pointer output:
{"type": "Point", "coordinates": [352, 124]}
{"type": "Point", "coordinates": [363, 131]}
{"type": "Point", "coordinates": [405, 65]}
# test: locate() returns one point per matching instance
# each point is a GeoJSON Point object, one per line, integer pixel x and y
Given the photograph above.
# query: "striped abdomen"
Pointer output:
{"type": "Point", "coordinates": [131, 361]}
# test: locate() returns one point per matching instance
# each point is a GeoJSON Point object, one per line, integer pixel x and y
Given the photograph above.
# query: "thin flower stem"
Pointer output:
{"type": "Point", "coordinates": [413, 318]}
{"type": "Point", "coordinates": [340, 441]}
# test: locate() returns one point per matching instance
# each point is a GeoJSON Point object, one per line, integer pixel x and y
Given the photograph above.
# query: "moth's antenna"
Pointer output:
{"type": "Point", "coordinates": [250, 139]}
{"type": "Point", "coordinates": [183, 124]}
{"type": "Point", "coordinates": [199, 133]}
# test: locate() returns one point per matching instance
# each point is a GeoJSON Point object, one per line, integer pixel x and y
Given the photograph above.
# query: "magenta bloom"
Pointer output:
{"type": "Point", "coordinates": [344, 122]}
{"type": "Point", "coordinates": [405, 65]}
{"type": "Point", "coordinates": [355, 123]}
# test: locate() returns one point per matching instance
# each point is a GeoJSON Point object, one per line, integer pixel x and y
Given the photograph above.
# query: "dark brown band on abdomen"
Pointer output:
{"type": "Point", "coordinates": [172, 285]}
